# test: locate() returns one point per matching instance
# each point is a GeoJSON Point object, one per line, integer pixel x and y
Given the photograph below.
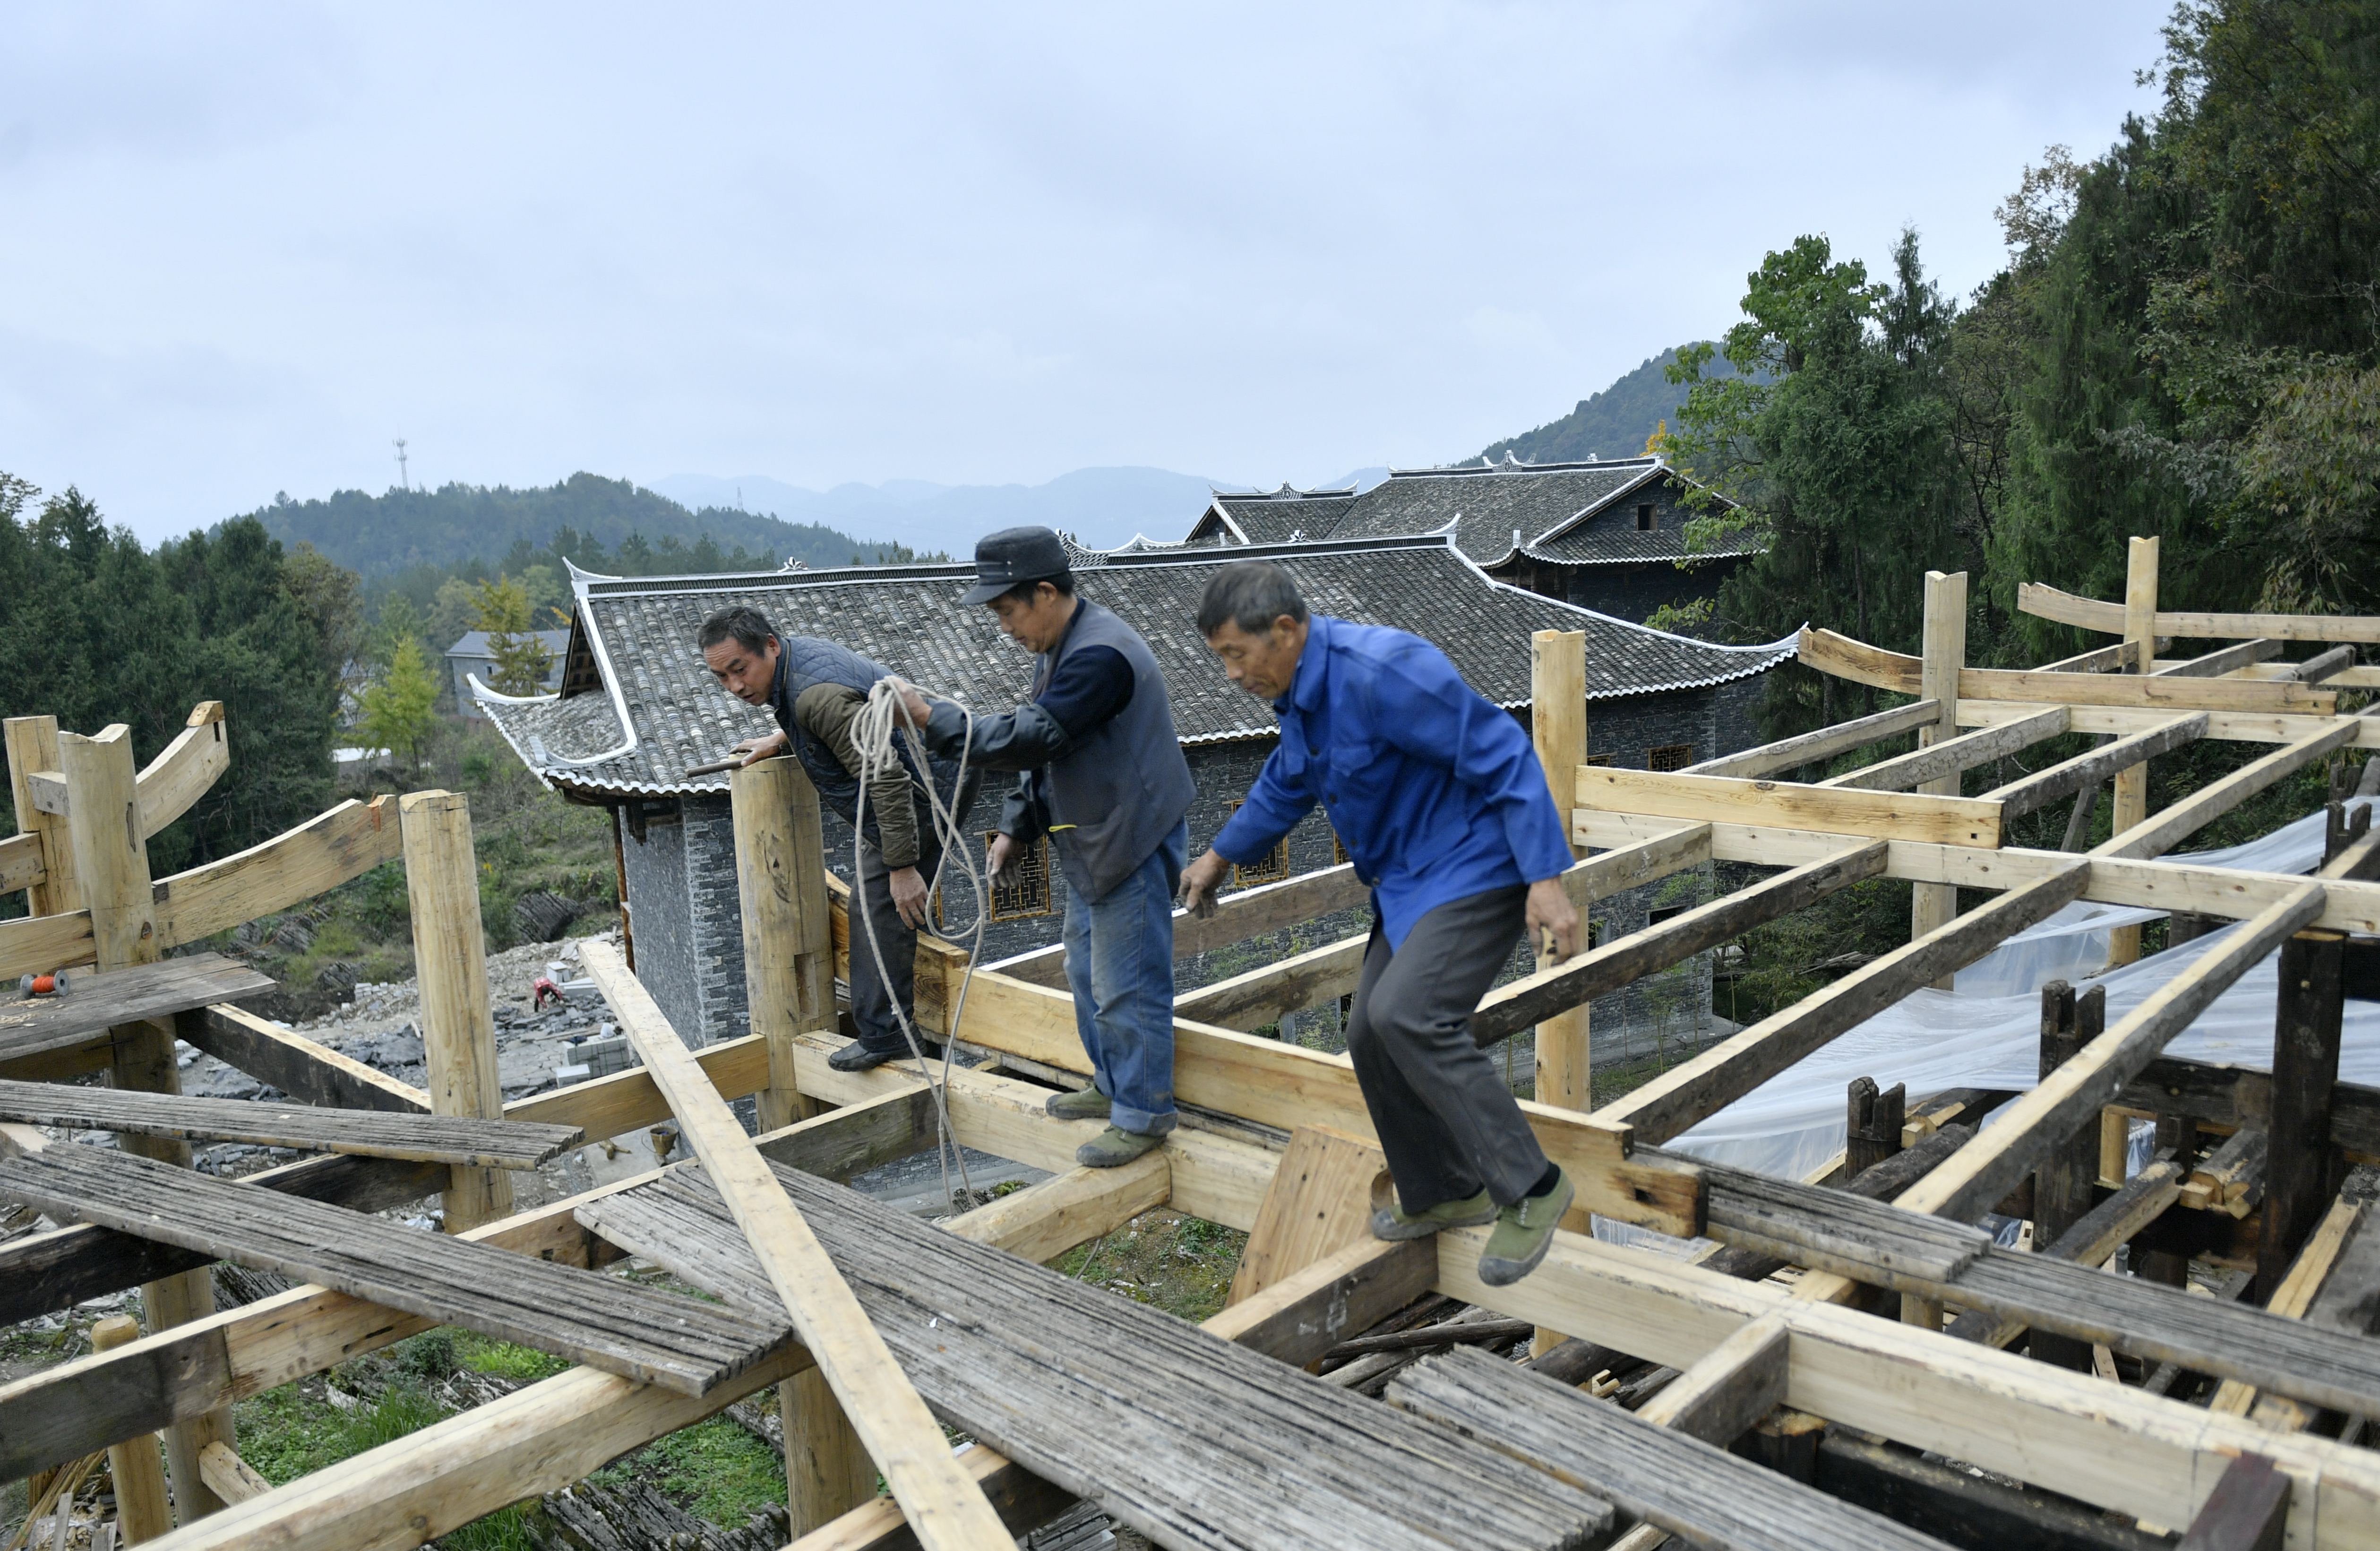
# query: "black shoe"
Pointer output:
{"type": "Point", "coordinates": [858, 1056]}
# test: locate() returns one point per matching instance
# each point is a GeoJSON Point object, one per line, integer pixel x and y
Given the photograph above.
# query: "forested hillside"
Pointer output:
{"type": "Point", "coordinates": [1614, 423]}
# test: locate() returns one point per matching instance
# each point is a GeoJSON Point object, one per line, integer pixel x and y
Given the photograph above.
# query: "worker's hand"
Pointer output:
{"type": "Point", "coordinates": [909, 896]}
{"type": "Point", "coordinates": [914, 704]}
{"type": "Point", "coordinates": [1199, 881]}
{"type": "Point", "coordinates": [1551, 911]}
{"type": "Point", "coordinates": [752, 750]}
{"type": "Point", "coordinates": [1002, 851]}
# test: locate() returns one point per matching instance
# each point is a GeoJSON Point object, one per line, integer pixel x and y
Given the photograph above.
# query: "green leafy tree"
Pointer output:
{"type": "Point", "coordinates": [397, 712]}
{"type": "Point", "coordinates": [522, 661]}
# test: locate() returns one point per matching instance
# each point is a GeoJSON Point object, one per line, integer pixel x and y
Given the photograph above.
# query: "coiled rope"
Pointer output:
{"type": "Point", "coordinates": [882, 719]}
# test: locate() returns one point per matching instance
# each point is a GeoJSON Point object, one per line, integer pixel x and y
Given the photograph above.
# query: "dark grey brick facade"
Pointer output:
{"type": "Point", "coordinates": [686, 916]}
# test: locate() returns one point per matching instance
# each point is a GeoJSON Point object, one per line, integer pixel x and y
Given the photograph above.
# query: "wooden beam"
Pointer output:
{"type": "Point", "coordinates": [1950, 757]}
{"type": "Point", "coordinates": [373, 1133]}
{"type": "Point", "coordinates": [1308, 1311]}
{"type": "Point", "coordinates": [229, 1475]}
{"type": "Point", "coordinates": [1564, 1067]}
{"type": "Point", "coordinates": [2330, 664]}
{"type": "Point", "coordinates": [450, 948]}
{"type": "Point", "coordinates": [281, 1059]}
{"type": "Point", "coordinates": [1692, 1092]}
{"type": "Point", "coordinates": [343, 843]}
{"type": "Point", "coordinates": [1841, 657]}
{"type": "Point", "coordinates": [2089, 614]}
{"type": "Point", "coordinates": [1810, 748]}
{"type": "Point", "coordinates": [1730, 1388]}
{"type": "Point", "coordinates": [2248, 1510]}
{"type": "Point", "coordinates": [2174, 825]}
{"type": "Point", "coordinates": [2093, 1237]}
{"type": "Point", "coordinates": [788, 936]}
{"type": "Point", "coordinates": [32, 744]}
{"type": "Point", "coordinates": [141, 1511]}
{"type": "Point", "coordinates": [184, 769]}
{"type": "Point", "coordinates": [2092, 766]}
{"type": "Point", "coordinates": [2309, 1271]}
{"type": "Point", "coordinates": [1979, 1174]}
{"type": "Point", "coordinates": [1319, 1202]}
{"type": "Point", "coordinates": [1249, 912]}
{"type": "Point", "coordinates": [21, 862]}
{"type": "Point", "coordinates": [1042, 1222]}
{"type": "Point", "coordinates": [942, 1502]}
{"type": "Point", "coordinates": [1889, 815]}
{"type": "Point", "coordinates": [2301, 1168]}
{"type": "Point", "coordinates": [1511, 1007]}
{"type": "Point", "coordinates": [2117, 658]}
{"type": "Point", "coordinates": [2215, 664]}
{"type": "Point", "coordinates": [1262, 996]}
{"type": "Point", "coordinates": [1930, 905]}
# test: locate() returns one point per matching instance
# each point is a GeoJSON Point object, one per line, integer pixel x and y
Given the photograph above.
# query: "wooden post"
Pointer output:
{"type": "Point", "coordinates": [450, 956]}
{"type": "Point", "coordinates": [788, 940]}
{"type": "Point", "coordinates": [2062, 1187]}
{"type": "Point", "coordinates": [789, 987]}
{"type": "Point", "coordinates": [2132, 786]}
{"type": "Point", "coordinates": [1872, 1132]}
{"type": "Point", "coordinates": [1932, 906]}
{"type": "Point", "coordinates": [2301, 1166]}
{"type": "Point", "coordinates": [111, 872]}
{"type": "Point", "coordinates": [1558, 727]}
{"type": "Point", "coordinates": [33, 745]}
{"type": "Point", "coordinates": [141, 1512]}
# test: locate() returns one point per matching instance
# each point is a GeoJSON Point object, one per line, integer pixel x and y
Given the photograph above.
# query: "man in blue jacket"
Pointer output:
{"type": "Point", "coordinates": [1442, 807]}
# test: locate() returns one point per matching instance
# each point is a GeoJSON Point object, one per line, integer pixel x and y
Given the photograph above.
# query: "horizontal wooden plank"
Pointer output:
{"type": "Point", "coordinates": [1954, 755]}
{"type": "Point", "coordinates": [285, 1059]}
{"type": "Point", "coordinates": [627, 1100]}
{"type": "Point", "coordinates": [2171, 827]}
{"type": "Point", "coordinates": [21, 862]}
{"type": "Point", "coordinates": [1956, 821]}
{"type": "Point", "coordinates": [2038, 790]}
{"type": "Point", "coordinates": [1842, 658]}
{"type": "Point", "coordinates": [1826, 743]}
{"type": "Point", "coordinates": [2230, 659]}
{"type": "Point", "coordinates": [2090, 614]}
{"type": "Point", "coordinates": [93, 1003]}
{"type": "Point", "coordinates": [447, 1139]}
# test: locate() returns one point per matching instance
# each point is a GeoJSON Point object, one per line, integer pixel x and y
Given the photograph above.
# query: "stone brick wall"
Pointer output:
{"type": "Point", "coordinates": [658, 920]}
{"type": "Point", "coordinates": [685, 917]}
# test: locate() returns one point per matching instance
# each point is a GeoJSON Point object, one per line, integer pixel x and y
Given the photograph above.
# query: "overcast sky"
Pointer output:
{"type": "Point", "coordinates": [247, 246]}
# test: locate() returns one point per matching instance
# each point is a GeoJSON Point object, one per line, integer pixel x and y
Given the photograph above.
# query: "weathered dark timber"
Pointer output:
{"type": "Point", "coordinates": [95, 1003]}
{"type": "Point", "coordinates": [1598, 973]}
{"type": "Point", "coordinates": [1808, 748]}
{"type": "Point", "coordinates": [53, 1271]}
{"type": "Point", "coordinates": [1875, 1121]}
{"type": "Point", "coordinates": [1966, 1510]}
{"type": "Point", "coordinates": [2134, 1317]}
{"type": "Point", "coordinates": [2301, 1168]}
{"type": "Point", "coordinates": [1191, 1440]}
{"type": "Point", "coordinates": [292, 1063]}
{"type": "Point", "coordinates": [2086, 771]}
{"type": "Point", "coordinates": [2349, 1299]}
{"type": "Point", "coordinates": [1398, 1277]}
{"type": "Point", "coordinates": [2088, 1241]}
{"type": "Point", "coordinates": [2247, 1511]}
{"type": "Point", "coordinates": [2062, 1185]}
{"type": "Point", "coordinates": [639, 1333]}
{"type": "Point", "coordinates": [446, 1138]}
{"type": "Point", "coordinates": [2232, 1097]}
{"type": "Point", "coordinates": [44, 1425]}
{"type": "Point", "coordinates": [2230, 659]}
{"type": "Point", "coordinates": [1705, 1495]}
{"type": "Point", "coordinates": [1478, 1333]}
{"type": "Point", "coordinates": [1954, 756]}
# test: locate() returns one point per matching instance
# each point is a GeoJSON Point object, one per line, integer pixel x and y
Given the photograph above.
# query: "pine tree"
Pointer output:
{"type": "Point", "coordinates": [397, 715]}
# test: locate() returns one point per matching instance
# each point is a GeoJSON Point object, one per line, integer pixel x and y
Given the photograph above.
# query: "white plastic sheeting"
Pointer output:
{"type": "Point", "coordinates": [1986, 1031]}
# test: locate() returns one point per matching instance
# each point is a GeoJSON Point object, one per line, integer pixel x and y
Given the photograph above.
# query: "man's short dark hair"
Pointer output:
{"type": "Point", "coordinates": [747, 627]}
{"type": "Point", "coordinates": [1026, 592]}
{"type": "Point", "coordinates": [1251, 594]}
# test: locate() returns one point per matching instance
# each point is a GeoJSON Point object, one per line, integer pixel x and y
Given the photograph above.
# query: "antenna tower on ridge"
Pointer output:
{"type": "Point", "coordinates": [403, 477]}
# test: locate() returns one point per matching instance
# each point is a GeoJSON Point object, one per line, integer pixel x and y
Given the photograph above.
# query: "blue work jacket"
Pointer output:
{"type": "Point", "coordinates": [1435, 794]}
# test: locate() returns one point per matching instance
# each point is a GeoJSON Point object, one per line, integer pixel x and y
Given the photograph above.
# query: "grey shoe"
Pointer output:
{"type": "Point", "coordinates": [1524, 1231]}
{"type": "Point", "coordinates": [1088, 1105]}
{"type": "Point", "coordinates": [857, 1057]}
{"type": "Point", "coordinates": [1392, 1223]}
{"type": "Point", "coordinates": [1116, 1146]}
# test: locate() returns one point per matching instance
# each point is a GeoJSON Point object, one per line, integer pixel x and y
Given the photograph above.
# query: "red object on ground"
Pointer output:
{"type": "Point", "coordinates": [44, 985]}
{"type": "Point", "coordinates": [541, 991]}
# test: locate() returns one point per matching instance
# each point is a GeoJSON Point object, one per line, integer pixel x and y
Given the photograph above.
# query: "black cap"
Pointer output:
{"type": "Point", "coordinates": [1015, 555]}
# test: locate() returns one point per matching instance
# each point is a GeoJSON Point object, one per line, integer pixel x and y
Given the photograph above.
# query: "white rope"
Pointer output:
{"type": "Point", "coordinates": [872, 734]}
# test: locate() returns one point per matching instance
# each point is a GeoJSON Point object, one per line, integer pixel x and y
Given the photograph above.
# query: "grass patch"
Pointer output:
{"type": "Point", "coordinates": [485, 1354]}
{"type": "Point", "coordinates": [715, 1469]}
{"type": "Point", "coordinates": [1178, 1263]}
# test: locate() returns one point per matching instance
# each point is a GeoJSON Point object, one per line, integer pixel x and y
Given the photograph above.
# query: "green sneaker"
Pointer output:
{"type": "Point", "coordinates": [1390, 1222]}
{"type": "Point", "coordinates": [1088, 1105]}
{"type": "Point", "coordinates": [1524, 1231]}
{"type": "Point", "coordinates": [1115, 1147]}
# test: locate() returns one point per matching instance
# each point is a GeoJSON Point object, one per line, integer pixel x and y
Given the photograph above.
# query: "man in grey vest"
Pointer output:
{"type": "Point", "coordinates": [816, 688]}
{"type": "Point", "coordinates": [1102, 774]}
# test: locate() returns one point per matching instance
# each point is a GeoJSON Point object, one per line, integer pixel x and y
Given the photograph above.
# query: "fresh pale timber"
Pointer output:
{"type": "Point", "coordinates": [1248, 912]}
{"type": "Point", "coordinates": [2170, 827]}
{"type": "Point", "coordinates": [1945, 640]}
{"type": "Point", "coordinates": [1824, 744]}
{"type": "Point", "coordinates": [139, 1474]}
{"type": "Point", "coordinates": [94, 1003]}
{"type": "Point", "coordinates": [281, 1059]}
{"type": "Point", "coordinates": [788, 931]}
{"type": "Point", "coordinates": [2230, 659]}
{"type": "Point", "coordinates": [2106, 659]}
{"type": "Point", "coordinates": [1954, 755]}
{"type": "Point", "coordinates": [1736, 1384]}
{"type": "Point", "coordinates": [1193, 1441]}
{"type": "Point", "coordinates": [1956, 821]}
{"type": "Point", "coordinates": [184, 769]}
{"type": "Point", "coordinates": [2092, 766]}
{"type": "Point", "coordinates": [943, 1504]}
{"type": "Point", "coordinates": [1320, 1202]}
{"type": "Point", "coordinates": [1692, 1092]}
{"type": "Point", "coordinates": [233, 1480]}
{"type": "Point", "coordinates": [1510, 1009]}
{"type": "Point", "coordinates": [1261, 995]}
{"type": "Point", "coordinates": [1564, 1064]}
{"type": "Point", "coordinates": [1042, 1222]}
{"type": "Point", "coordinates": [21, 863]}
{"type": "Point", "coordinates": [1990, 1167]}
{"type": "Point", "coordinates": [1842, 658]}
{"type": "Point", "coordinates": [32, 744]}
{"type": "Point", "coordinates": [458, 1029]}
{"type": "Point", "coordinates": [1669, 1478]}
{"type": "Point", "coordinates": [654, 1336]}
{"type": "Point", "coordinates": [2090, 614]}
{"type": "Point", "coordinates": [424, 1138]}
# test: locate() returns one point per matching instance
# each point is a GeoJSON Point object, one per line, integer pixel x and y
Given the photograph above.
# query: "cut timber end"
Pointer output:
{"type": "Point", "coordinates": [944, 1503]}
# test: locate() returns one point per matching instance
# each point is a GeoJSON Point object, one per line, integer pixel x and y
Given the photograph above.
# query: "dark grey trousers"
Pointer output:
{"type": "Point", "coordinates": [1447, 1122]}
{"type": "Point", "coordinates": [874, 986]}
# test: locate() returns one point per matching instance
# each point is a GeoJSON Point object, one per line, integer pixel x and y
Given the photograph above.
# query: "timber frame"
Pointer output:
{"type": "Point", "coordinates": [1847, 1322]}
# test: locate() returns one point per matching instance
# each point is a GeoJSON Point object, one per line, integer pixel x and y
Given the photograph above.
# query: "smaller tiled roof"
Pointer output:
{"type": "Point", "coordinates": [650, 709]}
{"type": "Point", "coordinates": [1496, 508]}
{"type": "Point", "coordinates": [1277, 516]}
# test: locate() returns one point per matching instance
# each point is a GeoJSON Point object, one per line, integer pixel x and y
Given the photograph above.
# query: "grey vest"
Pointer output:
{"type": "Point", "coordinates": [804, 661]}
{"type": "Point", "coordinates": [1125, 785]}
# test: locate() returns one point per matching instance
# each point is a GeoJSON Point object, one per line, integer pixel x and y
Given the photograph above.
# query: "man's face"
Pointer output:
{"type": "Point", "coordinates": [1035, 626]}
{"type": "Point", "coordinates": [742, 672]}
{"type": "Point", "coordinates": [1264, 664]}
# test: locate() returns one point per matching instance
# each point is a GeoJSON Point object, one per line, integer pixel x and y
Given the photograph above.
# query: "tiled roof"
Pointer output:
{"type": "Point", "coordinates": [1612, 538]}
{"type": "Point", "coordinates": [1279, 516]}
{"type": "Point", "coordinates": [1488, 504]}
{"type": "Point", "coordinates": [639, 637]}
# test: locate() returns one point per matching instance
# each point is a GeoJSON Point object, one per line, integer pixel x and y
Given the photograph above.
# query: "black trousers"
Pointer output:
{"type": "Point", "coordinates": [1446, 1120]}
{"type": "Point", "coordinates": [874, 987]}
